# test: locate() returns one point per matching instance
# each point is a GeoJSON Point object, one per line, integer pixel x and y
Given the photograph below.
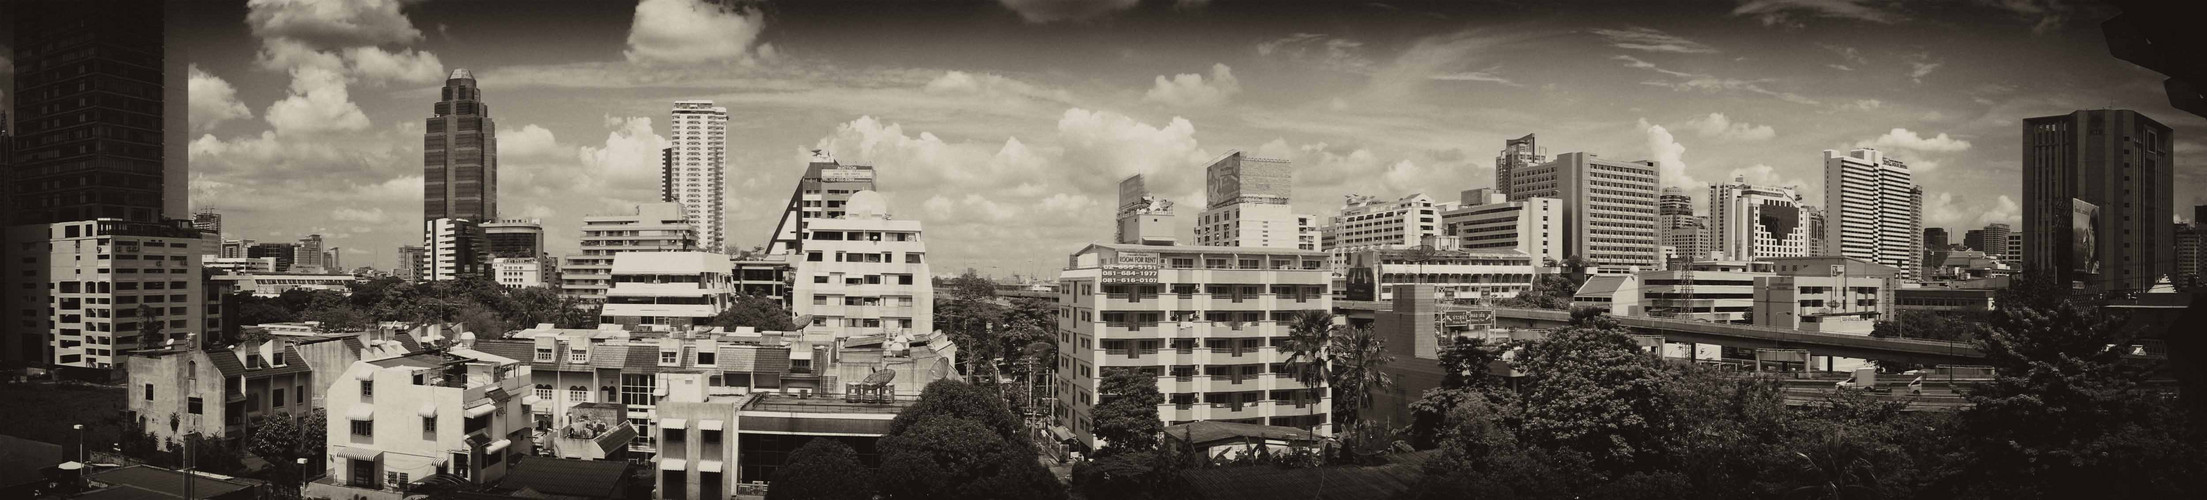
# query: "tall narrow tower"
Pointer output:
{"type": "Point", "coordinates": [1516, 153]}
{"type": "Point", "coordinates": [1873, 210]}
{"type": "Point", "coordinates": [460, 155]}
{"type": "Point", "coordinates": [695, 169]}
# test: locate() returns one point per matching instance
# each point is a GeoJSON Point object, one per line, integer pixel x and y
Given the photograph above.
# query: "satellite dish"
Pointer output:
{"type": "Point", "coordinates": [937, 371]}
{"type": "Point", "coordinates": [884, 376]}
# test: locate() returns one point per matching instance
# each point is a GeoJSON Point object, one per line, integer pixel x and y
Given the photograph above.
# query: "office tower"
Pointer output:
{"type": "Point", "coordinates": [820, 194]}
{"type": "Point", "coordinates": [460, 155]}
{"type": "Point", "coordinates": [2189, 247]}
{"type": "Point", "coordinates": [1935, 239]}
{"type": "Point", "coordinates": [1368, 222]}
{"type": "Point", "coordinates": [1609, 224]}
{"type": "Point", "coordinates": [1686, 234]}
{"type": "Point", "coordinates": [696, 169]}
{"type": "Point", "coordinates": [2015, 255]}
{"type": "Point", "coordinates": [409, 263]}
{"type": "Point", "coordinates": [2098, 197]}
{"type": "Point", "coordinates": [308, 254]}
{"type": "Point", "coordinates": [1516, 153]}
{"type": "Point", "coordinates": [1486, 220]}
{"type": "Point", "coordinates": [1144, 219]}
{"type": "Point", "coordinates": [1915, 232]}
{"type": "Point", "coordinates": [1974, 239]}
{"type": "Point", "coordinates": [654, 227]}
{"type": "Point", "coordinates": [331, 262]}
{"type": "Point", "coordinates": [1996, 238]}
{"type": "Point", "coordinates": [1248, 204]}
{"type": "Point", "coordinates": [515, 238]}
{"type": "Point", "coordinates": [1871, 210]}
{"type": "Point", "coordinates": [286, 254]}
{"type": "Point", "coordinates": [112, 281]}
{"type": "Point", "coordinates": [206, 219]}
{"type": "Point", "coordinates": [454, 249]}
{"type": "Point", "coordinates": [1754, 223]}
{"type": "Point", "coordinates": [864, 273]}
{"type": "Point", "coordinates": [1815, 218]}
{"type": "Point", "coordinates": [94, 92]}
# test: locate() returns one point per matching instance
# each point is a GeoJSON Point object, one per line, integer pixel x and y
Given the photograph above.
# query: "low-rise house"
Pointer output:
{"type": "Point", "coordinates": [396, 421]}
{"type": "Point", "coordinates": [215, 392]}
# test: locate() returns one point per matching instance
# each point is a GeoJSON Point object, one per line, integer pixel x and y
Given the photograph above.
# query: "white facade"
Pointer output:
{"type": "Point", "coordinates": [1456, 275]}
{"type": "Point", "coordinates": [1307, 232]}
{"type": "Point", "coordinates": [238, 265]}
{"type": "Point", "coordinates": [668, 289]}
{"type": "Point", "coordinates": [1486, 221]}
{"type": "Point", "coordinates": [1755, 222]}
{"type": "Point", "coordinates": [1248, 204]}
{"type": "Point", "coordinates": [455, 248]}
{"type": "Point", "coordinates": [864, 274]}
{"type": "Point", "coordinates": [1367, 222]}
{"type": "Point", "coordinates": [697, 168]}
{"type": "Point", "coordinates": [1872, 210]}
{"type": "Point", "coordinates": [107, 278]}
{"type": "Point", "coordinates": [396, 420]}
{"type": "Point", "coordinates": [655, 227]}
{"type": "Point", "coordinates": [524, 273]}
{"type": "Point", "coordinates": [266, 285]}
{"type": "Point", "coordinates": [1609, 208]}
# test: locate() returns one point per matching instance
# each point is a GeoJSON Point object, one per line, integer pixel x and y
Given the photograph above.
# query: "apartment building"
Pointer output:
{"type": "Point", "coordinates": [654, 227]}
{"type": "Point", "coordinates": [455, 249]}
{"type": "Point", "coordinates": [525, 272]}
{"type": "Point", "coordinates": [1609, 207]}
{"type": "Point", "coordinates": [864, 273]}
{"type": "Point", "coordinates": [821, 193]}
{"type": "Point", "coordinates": [1206, 320]}
{"type": "Point", "coordinates": [1248, 205]}
{"type": "Point", "coordinates": [1146, 219]}
{"type": "Point", "coordinates": [1753, 222]}
{"type": "Point", "coordinates": [1874, 210]}
{"type": "Point", "coordinates": [1487, 221]}
{"type": "Point", "coordinates": [398, 420]}
{"type": "Point", "coordinates": [696, 169]}
{"type": "Point", "coordinates": [216, 392]}
{"type": "Point", "coordinates": [1367, 222]}
{"type": "Point", "coordinates": [661, 290]}
{"type": "Point", "coordinates": [1456, 275]}
{"type": "Point", "coordinates": [105, 282]}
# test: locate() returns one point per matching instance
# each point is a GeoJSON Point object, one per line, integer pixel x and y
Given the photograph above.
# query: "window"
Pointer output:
{"type": "Point", "coordinates": [670, 357]}
{"type": "Point", "coordinates": [363, 428]}
{"type": "Point", "coordinates": [367, 389]}
{"type": "Point", "coordinates": [636, 389]}
{"type": "Point", "coordinates": [578, 356]}
{"type": "Point", "coordinates": [544, 354]}
{"type": "Point", "coordinates": [149, 392]}
{"type": "Point", "coordinates": [429, 424]}
{"type": "Point", "coordinates": [544, 392]}
{"type": "Point", "coordinates": [279, 399]}
{"type": "Point", "coordinates": [193, 405]}
{"type": "Point", "coordinates": [707, 358]}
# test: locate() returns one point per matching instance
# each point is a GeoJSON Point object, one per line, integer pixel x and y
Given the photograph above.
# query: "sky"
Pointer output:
{"type": "Point", "coordinates": [1004, 125]}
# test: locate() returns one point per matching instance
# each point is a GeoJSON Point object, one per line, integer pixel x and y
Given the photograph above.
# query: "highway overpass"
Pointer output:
{"type": "Point", "coordinates": [1927, 352]}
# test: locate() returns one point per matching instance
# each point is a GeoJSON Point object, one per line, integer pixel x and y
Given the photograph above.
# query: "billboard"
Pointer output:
{"type": "Point", "coordinates": [1238, 178]}
{"type": "Point", "coordinates": [2084, 242]}
{"type": "Point", "coordinates": [1131, 192]}
{"type": "Point", "coordinates": [1133, 267]}
{"type": "Point", "coordinates": [846, 174]}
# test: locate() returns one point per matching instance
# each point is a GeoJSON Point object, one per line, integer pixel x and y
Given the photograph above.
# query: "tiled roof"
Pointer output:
{"type": "Point", "coordinates": [225, 361]}
{"type": "Point", "coordinates": [738, 359]}
{"type": "Point", "coordinates": [21, 460]}
{"type": "Point", "coordinates": [1211, 431]}
{"type": "Point", "coordinates": [565, 477]}
{"type": "Point", "coordinates": [772, 360]}
{"type": "Point", "coordinates": [617, 438]}
{"type": "Point", "coordinates": [510, 349]}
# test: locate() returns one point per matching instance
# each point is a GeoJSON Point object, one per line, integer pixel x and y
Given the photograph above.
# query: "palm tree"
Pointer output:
{"type": "Point", "coordinates": [1357, 355]}
{"type": "Point", "coordinates": [1309, 332]}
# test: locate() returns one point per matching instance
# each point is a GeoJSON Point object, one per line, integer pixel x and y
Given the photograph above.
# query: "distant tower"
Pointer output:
{"type": "Point", "coordinates": [2099, 199]}
{"type": "Point", "coordinates": [1143, 219]}
{"type": "Point", "coordinates": [1873, 210]}
{"type": "Point", "coordinates": [460, 155]}
{"type": "Point", "coordinates": [1248, 204]}
{"type": "Point", "coordinates": [696, 169]}
{"type": "Point", "coordinates": [1516, 153]}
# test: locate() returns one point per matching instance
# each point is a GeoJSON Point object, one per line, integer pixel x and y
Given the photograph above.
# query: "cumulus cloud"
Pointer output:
{"type": "Point", "coordinates": [213, 100]}
{"type": "Point", "coordinates": [1190, 89]}
{"type": "Point", "coordinates": [1046, 11]}
{"type": "Point", "coordinates": [348, 214]}
{"type": "Point", "coordinates": [1901, 138]}
{"type": "Point", "coordinates": [695, 31]}
{"type": "Point", "coordinates": [331, 23]}
{"type": "Point", "coordinates": [318, 103]}
{"type": "Point", "coordinates": [1668, 155]}
{"type": "Point", "coordinates": [530, 141]}
{"type": "Point", "coordinates": [1652, 40]}
{"type": "Point", "coordinates": [1782, 12]}
{"type": "Point", "coordinates": [1766, 175]}
{"type": "Point", "coordinates": [1945, 210]}
{"type": "Point", "coordinates": [1717, 126]}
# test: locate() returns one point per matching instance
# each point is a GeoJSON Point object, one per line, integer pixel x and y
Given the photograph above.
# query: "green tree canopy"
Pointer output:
{"type": "Point", "coordinates": [822, 469]}
{"type": "Point", "coordinates": [956, 458]}
{"type": "Point", "coordinates": [1126, 411]}
{"type": "Point", "coordinates": [763, 313]}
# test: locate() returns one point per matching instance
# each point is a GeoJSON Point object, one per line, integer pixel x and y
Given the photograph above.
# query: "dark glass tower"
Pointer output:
{"type": "Point", "coordinates": [2098, 195]}
{"type": "Point", "coordinates": [89, 111]}
{"type": "Point", "coordinates": [460, 155]}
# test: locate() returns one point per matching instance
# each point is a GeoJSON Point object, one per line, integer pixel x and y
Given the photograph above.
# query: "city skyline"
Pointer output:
{"type": "Point", "coordinates": [997, 147]}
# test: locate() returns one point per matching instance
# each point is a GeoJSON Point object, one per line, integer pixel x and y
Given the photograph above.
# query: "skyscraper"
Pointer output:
{"type": "Point", "coordinates": [2098, 197]}
{"type": "Point", "coordinates": [696, 169]}
{"type": "Point", "coordinates": [1756, 222]}
{"type": "Point", "coordinates": [1686, 234]}
{"type": "Point", "coordinates": [1996, 238]}
{"type": "Point", "coordinates": [308, 254]}
{"type": "Point", "coordinates": [409, 263]}
{"type": "Point", "coordinates": [1516, 153]}
{"type": "Point", "coordinates": [1934, 239]}
{"type": "Point", "coordinates": [1611, 224]}
{"type": "Point", "coordinates": [1248, 204]}
{"type": "Point", "coordinates": [93, 94]}
{"type": "Point", "coordinates": [1974, 239]}
{"type": "Point", "coordinates": [460, 155]}
{"type": "Point", "coordinates": [1872, 210]}
{"type": "Point", "coordinates": [821, 194]}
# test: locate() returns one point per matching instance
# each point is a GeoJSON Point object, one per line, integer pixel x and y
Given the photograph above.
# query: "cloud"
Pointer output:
{"type": "Point", "coordinates": [1901, 138]}
{"type": "Point", "coordinates": [1717, 126]}
{"type": "Point", "coordinates": [213, 100]}
{"type": "Point", "coordinates": [1190, 89]}
{"type": "Point", "coordinates": [1850, 54]}
{"type": "Point", "coordinates": [324, 46]}
{"type": "Point", "coordinates": [348, 214]}
{"type": "Point", "coordinates": [1443, 57]}
{"type": "Point", "coordinates": [530, 141]}
{"type": "Point", "coordinates": [318, 104]}
{"type": "Point", "coordinates": [1684, 81]}
{"type": "Point", "coordinates": [694, 31]}
{"type": "Point", "coordinates": [1319, 50]}
{"type": "Point", "coordinates": [1863, 105]}
{"type": "Point", "coordinates": [374, 65]}
{"type": "Point", "coordinates": [1668, 154]}
{"type": "Point", "coordinates": [1945, 210]}
{"type": "Point", "coordinates": [331, 23]}
{"type": "Point", "coordinates": [1476, 76]}
{"type": "Point", "coordinates": [1047, 11]}
{"type": "Point", "coordinates": [1781, 12]}
{"type": "Point", "coordinates": [1921, 67]}
{"type": "Point", "coordinates": [1652, 40]}
{"type": "Point", "coordinates": [2044, 15]}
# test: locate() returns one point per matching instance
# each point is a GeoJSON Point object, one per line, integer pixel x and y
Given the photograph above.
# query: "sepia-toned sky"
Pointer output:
{"type": "Point", "coordinates": [1005, 124]}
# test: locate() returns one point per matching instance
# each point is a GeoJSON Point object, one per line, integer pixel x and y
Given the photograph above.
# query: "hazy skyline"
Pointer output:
{"type": "Point", "coordinates": [1003, 125]}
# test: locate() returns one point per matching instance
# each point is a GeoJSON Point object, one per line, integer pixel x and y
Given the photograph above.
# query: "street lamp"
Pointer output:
{"type": "Point", "coordinates": [80, 444]}
{"type": "Point", "coordinates": [302, 477]}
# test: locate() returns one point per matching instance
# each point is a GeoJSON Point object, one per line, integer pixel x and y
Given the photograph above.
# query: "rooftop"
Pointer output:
{"type": "Point", "coordinates": [822, 404]}
{"type": "Point", "coordinates": [1208, 431]}
{"type": "Point", "coordinates": [567, 477]}
{"type": "Point", "coordinates": [141, 481]}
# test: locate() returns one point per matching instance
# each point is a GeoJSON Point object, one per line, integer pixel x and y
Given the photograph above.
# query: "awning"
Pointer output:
{"type": "Point", "coordinates": [712, 466]}
{"type": "Point", "coordinates": [531, 400]}
{"type": "Point", "coordinates": [481, 410]}
{"type": "Point", "coordinates": [360, 412]}
{"type": "Point", "coordinates": [708, 425]}
{"type": "Point", "coordinates": [357, 453]}
{"type": "Point", "coordinates": [364, 375]}
{"type": "Point", "coordinates": [673, 423]}
{"type": "Point", "coordinates": [1061, 433]}
{"type": "Point", "coordinates": [673, 464]}
{"type": "Point", "coordinates": [660, 391]}
{"type": "Point", "coordinates": [428, 409]}
{"type": "Point", "coordinates": [496, 446]}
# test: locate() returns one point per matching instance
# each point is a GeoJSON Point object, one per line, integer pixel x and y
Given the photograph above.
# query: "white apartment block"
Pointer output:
{"type": "Point", "coordinates": [820, 194]}
{"type": "Point", "coordinates": [1459, 276]}
{"type": "Point", "coordinates": [1248, 204]}
{"type": "Point", "coordinates": [668, 290]}
{"type": "Point", "coordinates": [531, 272]}
{"type": "Point", "coordinates": [1609, 207]}
{"type": "Point", "coordinates": [696, 169]}
{"type": "Point", "coordinates": [1308, 234]}
{"type": "Point", "coordinates": [397, 420]}
{"type": "Point", "coordinates": [654, 227]}
{"type": "Point", "coordinates": [108, 278]}
{"type": "Point", "coordinates": [1755, 222]}
{"type": "Point", "coordinates": [863, 274]}
{"type": "Point", "coordinates": [455, 248]}
{"type": "Point", "coordinates": [1367, 222]}
{"type": "Point", "coordinates": [1486, 221]}
{"type": "Point", "coordinates": [1872, 210]}
{"type": "Point", "coordinates": [1205, 320]}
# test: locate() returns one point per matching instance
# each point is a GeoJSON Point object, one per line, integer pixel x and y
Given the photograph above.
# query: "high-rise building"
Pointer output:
{"type": "Point", "coordinates": [1996, 238]}
{"type": "Point", "coordinates": [654, 227]}
{"type": "Point", "coordinates": [2191, 242]}
{"type": "Point", "coordinates": [331, 260]}
{"type": "Point", "coordinates": [309, 254]}
{"type": "Point", "coordinates": [864, 273]}
{"type": "Point", "coordinates": [1610, 224]}
{"type": "Point", "coordinates": [1516, 153]}
{"type": "Point", "coordinates": [460, 155]}
{"type": "Point", "coordinates": [95, 88]}
{"type": "Point", "coordinates": [1873, 210]}
{"type": "Point", "coordinates": [1815, 217]}
{"type": "Point", "coordinates": [1368, 222]}
{"type": "Point", "coordinates": [286, 254]}
{"type": "Point", "coordinates": [1753, 223]}
{"type": "Point", "coordinates": [1935, 239]}
{"type": "Point", "coordinates": [1144, 219]}
{"type": "Point", "coordinates": [1308, 234]}
{"type": "Point", "coordinates": [820, 194]}
{"type": "Point", "coordinates": [2098, 197]}
{"type": "Point", "coordinates": [1248, 205]}
{"type": "Point", "coordinates": [112, 281]}
{"type": "Point", "coordinates": [1687, 234]}
{"type": "Point", "coordinates": [206, 219]}
{"type": "Point", "coordinates": [409, 263]}
{"type": "Point", "coordinates": [515, 238]}
{"type": "Point", "coordinates": [1486, 221]}
{"type": "Point", "coordinates": [2015, 255]}
{"type": "Point", "coordinates": [696, 169]}
{"type": "Point", "coordinates": [1974, 239]}
{"type": "Point", "coordinates": [454, 249]}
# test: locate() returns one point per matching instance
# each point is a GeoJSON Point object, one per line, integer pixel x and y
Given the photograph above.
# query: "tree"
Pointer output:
{"type": "Point", "coordinates": [1356, 357]}
{"type": "Point", "coordinates": [1930, 325]}
{"type": "Point", "coordinates": [948, 457]}
{"type": "Point", "coordinates": [1591, 389]}
{"type": "Point", "coordinates": [973, 324]}
{"type": "Point", "coordinates": [965, 401]}
{"type": "Point", "coordinates": [281, 440]}
{"type": "Point", "coordinates": [971, 286]}
{"type": "Point", "coordinates": [824, 469]}
{"type": "Point", "coordinates": [1549, 291]}
{"type": "Point", "coordinates": [763, 313]}
{"type": "Point", "coordinates": [339, 318]}
{"type": "Point", "coordinates": [252, 310]}
{"type": "Point", "coordinates": [149, 329]}
{"type": "Point", "coordinates": [1464, 363]}
{"type": "Point", "coordinates": [1126, 411]}
{"type": "Point", "coordinates": [482, 321]}
{"type": "Point", "coordinates": [1308, 335]}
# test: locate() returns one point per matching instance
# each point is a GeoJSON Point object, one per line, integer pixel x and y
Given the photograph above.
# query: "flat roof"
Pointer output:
{"type": "Point", "coordinates": [1124, 247]}
{"type": "Point", "coordinates": [824, 404]}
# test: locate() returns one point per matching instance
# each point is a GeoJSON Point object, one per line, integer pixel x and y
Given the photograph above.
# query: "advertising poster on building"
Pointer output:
{"type": "Point", "coordinates": [2084, 243]}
